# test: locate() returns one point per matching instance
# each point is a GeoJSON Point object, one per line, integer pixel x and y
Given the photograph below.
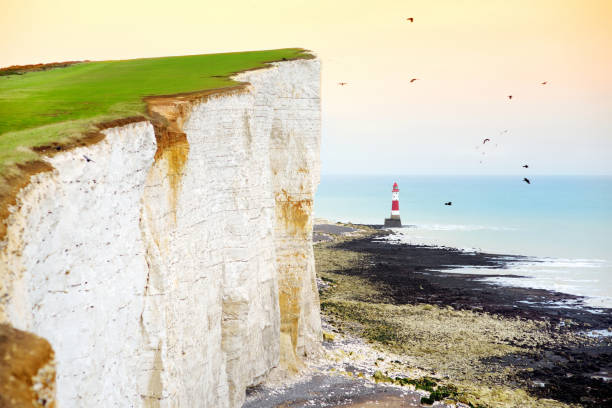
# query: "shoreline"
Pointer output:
{"type": "Point", "coordinates": [555, 273]}
{"type": "Point", "coordinates": [559, 361]}
{"type": "Point", "coordinates": [435, 265]}
{"type": "Point", "coordinates": [394, 315]}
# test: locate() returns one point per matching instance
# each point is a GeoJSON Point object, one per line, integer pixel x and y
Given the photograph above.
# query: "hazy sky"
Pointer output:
{"type": "Point", "coordinates": [468, 55]}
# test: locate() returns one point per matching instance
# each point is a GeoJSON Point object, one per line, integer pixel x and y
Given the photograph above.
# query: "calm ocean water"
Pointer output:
{"type": "Point", "coordinates": [563, 222]}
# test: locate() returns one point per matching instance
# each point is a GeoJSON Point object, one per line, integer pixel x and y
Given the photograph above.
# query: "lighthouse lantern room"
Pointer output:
{"type": "Point", "coordinates": [394, 221]}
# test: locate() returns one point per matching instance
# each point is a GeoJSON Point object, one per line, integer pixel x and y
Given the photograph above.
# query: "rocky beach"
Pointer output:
{"type": "Point", "coordinates": [402, 330]}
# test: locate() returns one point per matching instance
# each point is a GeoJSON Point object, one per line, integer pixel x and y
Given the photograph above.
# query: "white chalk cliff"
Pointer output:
{"type": "Point", "coordinates": [175, 269]}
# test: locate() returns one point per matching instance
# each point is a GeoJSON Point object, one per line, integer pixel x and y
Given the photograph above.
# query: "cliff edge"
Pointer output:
{"type": "Point", "coordinates": [171, 262]}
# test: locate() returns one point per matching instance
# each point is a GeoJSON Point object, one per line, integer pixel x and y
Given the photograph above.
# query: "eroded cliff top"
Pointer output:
{"type": "Point", "coordinates": [66, 105]}
{"type": "Point", "coordinates": [59, 105]}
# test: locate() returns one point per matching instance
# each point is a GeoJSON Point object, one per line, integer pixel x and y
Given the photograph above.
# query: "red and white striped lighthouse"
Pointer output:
{"type": "Point", "coordinates": [395, 202]}
{"type": "Point", "coordinates": [394, 221]}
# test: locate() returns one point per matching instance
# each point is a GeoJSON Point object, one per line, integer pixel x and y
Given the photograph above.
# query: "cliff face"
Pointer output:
{"type": "Point", "coordinates": [176, 268]}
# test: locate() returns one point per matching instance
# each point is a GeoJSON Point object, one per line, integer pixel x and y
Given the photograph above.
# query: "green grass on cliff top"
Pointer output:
{"type": "Point", "coordinates": [59, 105]}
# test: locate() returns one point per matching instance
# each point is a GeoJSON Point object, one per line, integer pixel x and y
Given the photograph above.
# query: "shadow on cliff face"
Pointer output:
{"type": "Point", "coordinates": [293, 217]}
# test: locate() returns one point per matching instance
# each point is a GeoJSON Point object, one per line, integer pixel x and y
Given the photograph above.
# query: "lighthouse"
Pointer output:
{"type": "Point", "coordinates": [394, 221]}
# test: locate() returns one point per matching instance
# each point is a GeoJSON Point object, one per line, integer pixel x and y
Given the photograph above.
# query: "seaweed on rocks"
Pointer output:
{"type": "Point", "coordinates": [522, 342]}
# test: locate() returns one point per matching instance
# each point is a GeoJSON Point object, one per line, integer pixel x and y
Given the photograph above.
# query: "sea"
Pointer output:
{"type": "Point", "coordinates": [561, 224]}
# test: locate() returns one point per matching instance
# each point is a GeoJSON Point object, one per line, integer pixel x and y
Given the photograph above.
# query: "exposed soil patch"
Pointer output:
{"type": "Point", "coordinates": [27, 369]}
{"type": "Point", "coordinates": [23, 69]}
{"type": "Point", "coordinates": [14, 183]}
{"type": "Point", "coordinates": [88, 138]}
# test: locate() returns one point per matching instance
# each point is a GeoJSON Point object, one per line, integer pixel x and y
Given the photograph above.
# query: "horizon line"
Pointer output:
{"type": "Point", "coordinates": [471, 174]}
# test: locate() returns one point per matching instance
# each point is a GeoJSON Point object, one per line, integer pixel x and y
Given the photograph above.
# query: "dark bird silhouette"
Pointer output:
{"type": "Point", "coordinates": [342, 83]}
{"type": "Point", "coordinates": [411, 19]}
{"type": "Point", "coordinates": [526, 180]}
{"type": "Point", "coordinates": [544, 83]}
{"type": "Point", "coordinates": [510, 97]}
{"type": "Point", "coordinates": [486, 140]}
{"type": "Point", "coordinates": [449, 203]}
{"type": "Point", "coordinates": [87, 159]}
{"type": "Point", "coordinates": [414, 79]}
{"type": "Point", "coordinates": [526, 166]}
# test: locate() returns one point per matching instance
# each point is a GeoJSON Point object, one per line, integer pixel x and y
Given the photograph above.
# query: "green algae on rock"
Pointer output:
{"type": "Point", "coordinates": [464, 348]}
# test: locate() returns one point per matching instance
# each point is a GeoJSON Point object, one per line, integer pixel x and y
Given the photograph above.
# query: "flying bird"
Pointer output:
{"type": "Point", "coordinates": [526, 180]}
{"type": "Point", "coordinates": [411, 19]}
{"type": "Point", "coordinates": [449, 203]}
{"type": "Point", "coordinates": [87, 159]}
{"type": "Point", "coordinates": [414, 79]}
{"type": "Point", "coordinates": [342, 83]}
{"type": "Point", "coordinates": [510, 97]}
{"type": "Point", "coordinates": [526, 166]}
{"type": "Point", "coordinates": [486, 140]}
{"type": "Point", "coordinates": [544, 83]}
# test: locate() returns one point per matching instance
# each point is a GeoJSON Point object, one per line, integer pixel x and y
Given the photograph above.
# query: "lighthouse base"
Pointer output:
{"type": "Point", "coordinates": [393, 222]}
